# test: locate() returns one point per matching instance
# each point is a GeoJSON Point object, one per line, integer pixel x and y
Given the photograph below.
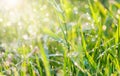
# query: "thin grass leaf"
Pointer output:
{"type": "Point", "coordinates": [44, 60]}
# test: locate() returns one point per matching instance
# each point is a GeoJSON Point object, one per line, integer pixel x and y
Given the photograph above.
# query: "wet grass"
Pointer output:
{"type": "Point", "coordinates": [60, 38]}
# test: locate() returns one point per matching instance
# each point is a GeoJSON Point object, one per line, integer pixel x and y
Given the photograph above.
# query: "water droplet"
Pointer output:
{"type": "Point", "coordinates": [1, 20]}
{"type": "Point", "coordinates": [104, 27]}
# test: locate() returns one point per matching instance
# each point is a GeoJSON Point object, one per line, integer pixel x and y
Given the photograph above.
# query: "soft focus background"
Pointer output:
{"type": "Point", "coordinates": [59, 37]}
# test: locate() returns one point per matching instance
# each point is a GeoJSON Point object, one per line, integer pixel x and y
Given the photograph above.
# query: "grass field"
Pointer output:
{"type": "Point", "coordinates": [59, 38]}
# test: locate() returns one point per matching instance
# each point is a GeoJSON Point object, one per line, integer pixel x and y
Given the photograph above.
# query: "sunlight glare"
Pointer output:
{"type": "Point", "coordinates": [12, 3]}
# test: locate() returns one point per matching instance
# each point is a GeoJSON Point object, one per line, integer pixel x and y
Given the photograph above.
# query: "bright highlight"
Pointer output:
{"type": "Point", "coordinates": [11, 3]}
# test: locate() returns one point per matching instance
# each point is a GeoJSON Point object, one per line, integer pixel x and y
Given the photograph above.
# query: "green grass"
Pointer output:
{"type": "Point", "coordinates": [60, 38]}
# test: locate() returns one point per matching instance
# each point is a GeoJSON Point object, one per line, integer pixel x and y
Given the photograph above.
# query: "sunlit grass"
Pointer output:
{"type": "Point", "coordinates": [59, 38]}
